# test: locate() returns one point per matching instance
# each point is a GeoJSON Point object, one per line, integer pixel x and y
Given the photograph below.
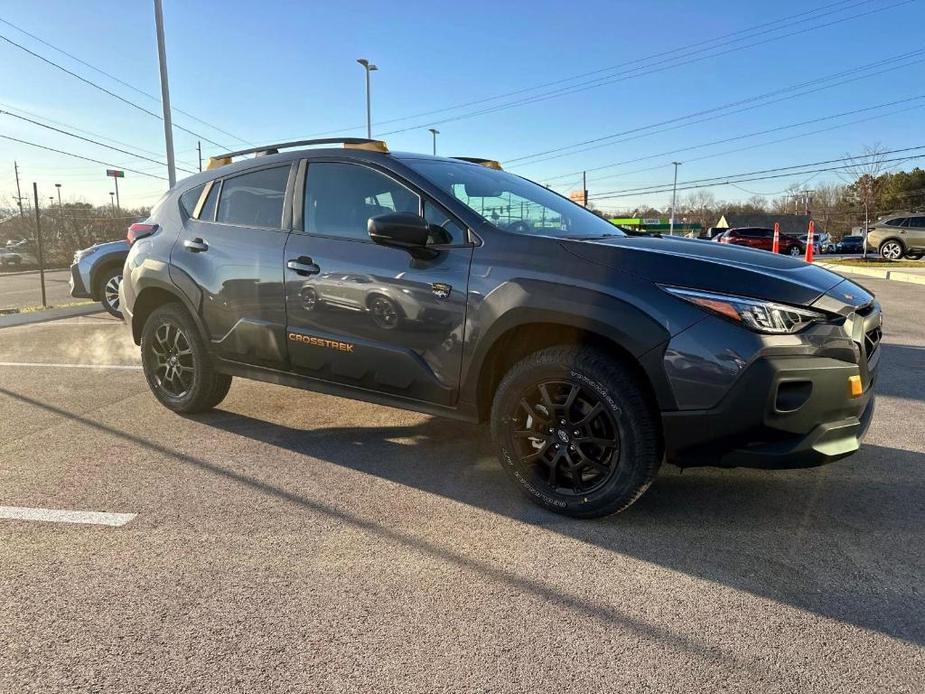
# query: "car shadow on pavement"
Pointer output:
{"type": "Point", "coordinates": [843, 541]}
{"type": "Point", "coordinates": [906, 379]}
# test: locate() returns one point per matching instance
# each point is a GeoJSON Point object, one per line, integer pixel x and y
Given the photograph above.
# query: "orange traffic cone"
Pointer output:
{"type": "Point", "coordinates": [775, 246]}
{"type": "Point", "coordinates": [809, 241]}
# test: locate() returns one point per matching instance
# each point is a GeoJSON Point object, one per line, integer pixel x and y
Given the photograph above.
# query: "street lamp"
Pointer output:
{"type": "Point", "coordinates": [369, 67]}
{"type": "Point", "coordinates": [434, 132]}
{"type": "Point", "coordinates": [674, 197]}
{"type": "Point", "coordinates": [112, 202]}
{"type": "Point", "coordinates": [58, 186]}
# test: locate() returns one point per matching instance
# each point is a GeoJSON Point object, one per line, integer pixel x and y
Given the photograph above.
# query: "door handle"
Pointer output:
{"type": "Point", "coordinates": [303, 266]}
{"type": "Point", "coordinates": [196, 246]}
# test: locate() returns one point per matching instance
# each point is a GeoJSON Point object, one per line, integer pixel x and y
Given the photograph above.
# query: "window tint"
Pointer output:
{"type": "Point", "coordinates": [207, 213]}
{"type": "Point", "coordinates": [340, 199]}
{"type": "Point", "coordinates": [254, 199]}
{"type": "Point", "coordinates": [917, 222]}
{"type": "Point", "coordinates": [446, 230]}
{"type": "Point", "coordinates": [189, 199]}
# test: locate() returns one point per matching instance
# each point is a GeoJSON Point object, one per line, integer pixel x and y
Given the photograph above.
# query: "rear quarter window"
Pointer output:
{"type": "Point", "coordinates": [189, 199]}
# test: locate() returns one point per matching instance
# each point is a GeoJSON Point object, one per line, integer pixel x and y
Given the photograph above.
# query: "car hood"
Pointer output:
{"type": "Point", "coordinates": [716, 267]}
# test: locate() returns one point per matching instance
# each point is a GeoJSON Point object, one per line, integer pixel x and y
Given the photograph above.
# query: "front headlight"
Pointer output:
{"type": "Point", "coordinates": [755, 314]}
{"type": "Point", "coordinates": [80, 255]}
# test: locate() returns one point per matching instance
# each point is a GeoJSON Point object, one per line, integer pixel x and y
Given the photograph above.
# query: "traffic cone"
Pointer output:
{"type": "Point", "coordinates": [809, 242]}
{"type": "Point", "coordinates": [775, 247]}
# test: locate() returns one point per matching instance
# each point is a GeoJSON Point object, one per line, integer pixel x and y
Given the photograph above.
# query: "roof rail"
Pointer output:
{"type": "Point", "coordinates": [490, 163]}
{"type": "Point", "coordinates": [348, 142]}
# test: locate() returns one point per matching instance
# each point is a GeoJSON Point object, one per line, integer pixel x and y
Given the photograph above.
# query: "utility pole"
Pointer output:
{"type": "Point", "coordinates": [165, 91]}
{"type": "Point", "coordinates": [674, 198]}
{"type": "Point", "coordinates": [584, 187]}
{"type": "Point", "coordinates": [369, 67]}
{"type": "Point", "coordinates": [38, 242]}
{"type": "Point", "coordinates": [434, 132]}
{"type": "Point", "coordinates": [199, 149]}
{"type": "Point", "coordinates": [115, 180]}
{"type": "Point", "coordinates": [112, 202]}
{"type": "Point", "coordinates": [18, 191]}
{"type": "Point", "coordinates": [60, 206]}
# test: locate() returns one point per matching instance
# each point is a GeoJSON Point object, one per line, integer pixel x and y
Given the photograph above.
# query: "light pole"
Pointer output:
{"type": "Point", "coordinates": [369, 67]}
{"type": "Point", "coordinates": [434, 132]}
{"type": "Point", "coordinates": [165, 91]}
{"type": "Point", "coordinates": [58, 186]}
{"type": "Point", "coordinates": [674, 198]}
{"type": "Point", "coordinates": [112, 202]}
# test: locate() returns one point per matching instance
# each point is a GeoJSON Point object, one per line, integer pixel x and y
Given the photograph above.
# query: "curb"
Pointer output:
{"type": "Point", "coordinates": [895, 275]}
{"type": "Point", "coordinates": [16, 319]}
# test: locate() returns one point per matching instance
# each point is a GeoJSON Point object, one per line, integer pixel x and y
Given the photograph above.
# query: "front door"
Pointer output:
{"type": "Point", "coordinates": [229, 260]}
{"type": "Point", "coordinates": [365, 315]}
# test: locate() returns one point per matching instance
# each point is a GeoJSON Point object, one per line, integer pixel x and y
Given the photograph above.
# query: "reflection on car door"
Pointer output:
{"type": "Point", "coordinates": [229, 262]}
{"type": "Point", "coordinates": [366, 315]}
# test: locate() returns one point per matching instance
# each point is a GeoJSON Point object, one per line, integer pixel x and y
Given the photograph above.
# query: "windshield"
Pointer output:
{"type": "Point", "coordinates": [513, 203]}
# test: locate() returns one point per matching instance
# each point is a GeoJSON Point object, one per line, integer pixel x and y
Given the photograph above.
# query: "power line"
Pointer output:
{"type": "Point", "coordinates": [80, 156]}
{"type": "Point", "coordinates": [748, 103]}
{"type": "Point", "coordinates": [106, 91]}
{"type": "Point", "coordinates": [711, 42]}
{"type": "Point", "coordinates": [759, 175]}
{"type": "Point", "coordinates": [621, 77]}
{"type": "Point", "coordinates": [753, 134]}
{"type": "Point", "coordinates": [116, 79]}
{"type": "Point", "coordinates": [87, 139]}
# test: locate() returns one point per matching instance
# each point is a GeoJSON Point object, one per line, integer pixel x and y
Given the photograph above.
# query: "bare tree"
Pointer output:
{"type": "Point", "coordinates": [863, 172]}
{"type": "Point", "coordinates": [827, 198]}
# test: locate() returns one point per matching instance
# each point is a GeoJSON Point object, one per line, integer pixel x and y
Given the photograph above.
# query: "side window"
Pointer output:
{"type": "Point", "coordinates": [254, 199]}
{"type": "Point", "coordinates": [446, 230]}
{"type": "Point", "coordinates": [207, 213]}
{"type": "Point", "coordinates": [896, 222]}
{"type": "Point", "coordinates": [189, 199]}
{"type": "Point", "coordinates": [917, 222]}
{"type": "Point", "coordinates": [340, 199]}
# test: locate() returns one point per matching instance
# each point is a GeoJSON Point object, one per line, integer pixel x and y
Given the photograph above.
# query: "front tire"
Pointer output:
{"type": "Point", "coordinates": [575, 431]}
{"type": "Point", "coordinates": [109, 291]}
{"type": "Point", "coordinates": [914, 256]}
{"type": "Point", "coordinates": [796, 252]}
{"type": "Point", "coordinates": [177, 364]}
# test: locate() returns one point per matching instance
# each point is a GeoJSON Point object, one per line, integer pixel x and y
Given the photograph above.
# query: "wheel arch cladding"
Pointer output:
{"type": "Point", "coordinates": [524, 319]}
{"type": "Point", "coordinates": [150, 298]}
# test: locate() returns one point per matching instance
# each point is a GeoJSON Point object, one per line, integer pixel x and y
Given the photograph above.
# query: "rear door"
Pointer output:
{"type": "Point", "coordinates": [365, 315]}
{"type": "Point", "coordinates": [229, 258]}
{"type": "Point", "coordinates": [915, 233]}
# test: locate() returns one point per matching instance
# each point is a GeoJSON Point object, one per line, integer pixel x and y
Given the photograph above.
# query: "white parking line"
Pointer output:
{"type": "Point", "coordinates": [128, 367]}
{"type": "Point", "coordinates": [51, 515]}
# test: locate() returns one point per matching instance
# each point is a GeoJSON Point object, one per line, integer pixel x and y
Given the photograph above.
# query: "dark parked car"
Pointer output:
{"type": "Point", "coordinates": [594, 355]}
{"type": "Point", "coordinates": [757, 237]}
{"type": "Point", "coordinates": [850, 244]}
{"type": "Point", "coordinates": [96, 273]}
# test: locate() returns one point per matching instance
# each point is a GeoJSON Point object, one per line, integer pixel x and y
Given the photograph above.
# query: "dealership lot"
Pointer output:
{"type": "Point", "coordinates": [23, 289]}
{"type": "Point", "coordinates": [294, 541]}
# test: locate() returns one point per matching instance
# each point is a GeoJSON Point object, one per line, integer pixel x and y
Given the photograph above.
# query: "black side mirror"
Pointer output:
{"type": "Point", "coordinates": [400, 230]}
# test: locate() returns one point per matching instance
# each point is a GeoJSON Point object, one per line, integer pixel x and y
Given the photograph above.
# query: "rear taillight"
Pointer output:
{"type": "Point", "coordinates": [140, 231]}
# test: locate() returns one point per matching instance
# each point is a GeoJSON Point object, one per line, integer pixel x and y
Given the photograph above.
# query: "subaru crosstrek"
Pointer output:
{"type": "Point", "coordinates": [454, 288]}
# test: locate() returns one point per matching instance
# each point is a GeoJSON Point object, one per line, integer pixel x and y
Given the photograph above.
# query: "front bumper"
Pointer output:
{"type": "Point", "coordinates": [784, 412]}
{"type": "Point", "coordinates": [76, 283]}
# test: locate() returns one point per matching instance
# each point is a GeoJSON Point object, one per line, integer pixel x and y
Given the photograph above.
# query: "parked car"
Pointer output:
{"type": "Point", "coordinates": [822, 242]}
{"type": "Point", "coordinates": [96, 273]}
{"type": "Point", "coordinates": [898, 235]}
{"type": "Point", "coordinates": [8, 257]}
{"type": "Point", "coordinates": [850, 244]}
{"type": "Point", "coordinates": [757, 237]}
{"type": "Point", "coordinates": [593, 354]}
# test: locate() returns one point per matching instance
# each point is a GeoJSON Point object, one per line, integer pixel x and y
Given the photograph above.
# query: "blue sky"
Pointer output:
{"type": "Point", "coordinates": [272, 71]}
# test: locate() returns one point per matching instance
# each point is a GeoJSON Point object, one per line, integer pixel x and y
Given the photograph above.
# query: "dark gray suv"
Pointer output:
{"type": "Point", "coordinates": [450, 287]}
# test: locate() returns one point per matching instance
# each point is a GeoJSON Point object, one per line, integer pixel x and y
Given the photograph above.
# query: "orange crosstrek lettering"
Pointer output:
{"type": "Point", "coordinates": [321, 342]}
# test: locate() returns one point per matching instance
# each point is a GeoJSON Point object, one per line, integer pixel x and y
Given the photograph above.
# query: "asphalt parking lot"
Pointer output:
{"type": "Point", "coordinates": [299, 542]}
{"type": "Point", "coordinates": [22, 289]}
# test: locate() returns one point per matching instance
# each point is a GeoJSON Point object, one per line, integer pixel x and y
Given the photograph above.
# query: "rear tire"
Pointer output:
{"type": "Point", "coordinates": [575, 431]}
{"type": "Point", "coordinates": [177, 364]}
{"type": "Point", "coordinates": [914, 256]}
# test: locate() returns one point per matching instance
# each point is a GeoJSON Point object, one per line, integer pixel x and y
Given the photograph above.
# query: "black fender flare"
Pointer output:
{"type": "Point", "coordinates": [147, 278]}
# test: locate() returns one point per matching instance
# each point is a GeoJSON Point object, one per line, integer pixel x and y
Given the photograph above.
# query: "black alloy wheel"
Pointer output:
{"type": "Point", "coordinates": [565, 438]}
{"type": "Point", "coordinates": [175, 371]}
